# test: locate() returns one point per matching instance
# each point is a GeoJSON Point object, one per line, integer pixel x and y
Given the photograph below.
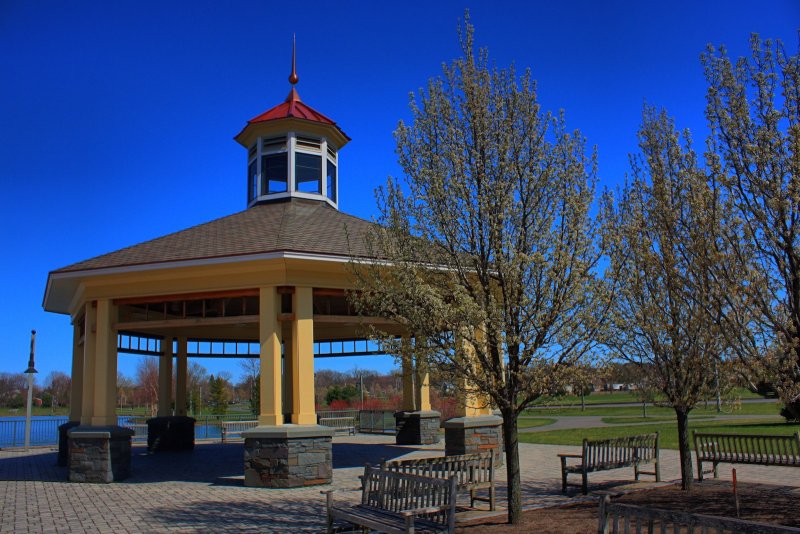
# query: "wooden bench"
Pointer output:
{"type": "Point", "coordinates": [473, 472]}
{"type": "Point", "coordinates": [619, 518]}
{"type": "Point", "coordinates": [743, 449]}
{"type": "Point", "coordinates": [606, 454]}
{"type": "Point", "coordinates": [398, 503]}
{"type": "Point", "coordinates": [345, 425]}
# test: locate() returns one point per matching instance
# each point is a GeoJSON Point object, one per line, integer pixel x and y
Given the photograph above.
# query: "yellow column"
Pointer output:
{"type": "Point", "coordinates": [181, 378]}
{"type": "Point", "coordinates": [286, 379]}
{"type": "Point", "coordinates": [423, 392]}
{"type": "Point", "coordinates": [407, 366]}
{"type": "Point", "coordinates": [76, 388]}
{"type": "Point", "coordinates": [471, 402]}
{"type": "Point", "coordinates": [303, 412]}
{"type": "Point", "coordinates": [165, 378]}
{"type": "Point", "coordinates": [270, 349]}
{"type": "Point", "coordinates": [105, 365]}
{"type": "Point", "coordinates": [89, 345]}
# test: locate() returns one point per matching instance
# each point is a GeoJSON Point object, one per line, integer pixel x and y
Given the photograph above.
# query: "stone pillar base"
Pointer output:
{"type": "Point", "coordinates": [288, 456]}
{"type": "Point", "coordinates": [469, 435]}
{"type": "Point", "coordinates": [417, 428]}
{"type": "Point", "coordinates": [99, 454]}
{"type": "Point", "coordinates": [63, 442]}
{"type": "Point", "coordinates": [170, 433]}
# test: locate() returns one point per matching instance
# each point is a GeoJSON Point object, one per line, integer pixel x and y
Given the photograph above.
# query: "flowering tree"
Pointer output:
{"type": "Point", "coordinates": [753, 109]}
{"type": "Point", "coordinates": [664, 243]}
{"type": "Point", "coordinates": [485, 248]}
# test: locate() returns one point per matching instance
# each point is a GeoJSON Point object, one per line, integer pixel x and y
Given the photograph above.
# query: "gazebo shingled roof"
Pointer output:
{"type": "Point", "coordinates": [302, 226]}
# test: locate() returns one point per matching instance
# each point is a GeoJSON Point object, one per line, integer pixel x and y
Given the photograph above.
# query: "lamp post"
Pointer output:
{"type": "Point", "coordinates": [30, 371]}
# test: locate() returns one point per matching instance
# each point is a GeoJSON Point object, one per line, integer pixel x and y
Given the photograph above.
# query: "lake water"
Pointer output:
{"type": "Point", "coordinates": [44, 430]}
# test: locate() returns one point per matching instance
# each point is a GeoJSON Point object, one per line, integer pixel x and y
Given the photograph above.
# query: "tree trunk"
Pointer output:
{"type": "Point", "coordinates": [512, 466]}
{"type": "Point", "coordinates": [684, 448]}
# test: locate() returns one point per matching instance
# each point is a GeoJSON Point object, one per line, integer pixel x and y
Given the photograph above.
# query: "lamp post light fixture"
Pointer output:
{"type": "Point", "coordinates": [30, 371]}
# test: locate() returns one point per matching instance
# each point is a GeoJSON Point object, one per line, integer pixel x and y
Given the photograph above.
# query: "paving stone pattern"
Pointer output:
{"type": "Point", "coordinates": [202, 490]}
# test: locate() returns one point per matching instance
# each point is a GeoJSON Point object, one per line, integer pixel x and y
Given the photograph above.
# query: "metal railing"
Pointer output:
{"type": "Point", "coordinates": [211, 426]}
{"type": "Point", "coordinates": [376, 422]}
{"type": "Point", "coordinates": [234, 429]}
{"type": "Point", "coordinates": [44, 431]}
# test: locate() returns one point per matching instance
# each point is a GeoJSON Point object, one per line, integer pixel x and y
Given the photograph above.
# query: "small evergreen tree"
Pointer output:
{"type": "Point", "coordinates": [218, 396]}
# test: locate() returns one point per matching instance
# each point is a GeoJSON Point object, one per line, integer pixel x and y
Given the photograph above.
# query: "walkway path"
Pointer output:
{"type": "Point", "coordinates": [202, 491]}
{"type": "Point", "coordinates": [593, 421]}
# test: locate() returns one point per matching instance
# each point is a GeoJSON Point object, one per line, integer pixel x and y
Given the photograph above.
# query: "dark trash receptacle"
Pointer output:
{"type": "Point", "coordinates": [172, 433]}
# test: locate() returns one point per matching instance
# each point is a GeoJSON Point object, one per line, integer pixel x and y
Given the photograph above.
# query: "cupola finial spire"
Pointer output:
{"type": "Point", "coordinates": [293, 79]}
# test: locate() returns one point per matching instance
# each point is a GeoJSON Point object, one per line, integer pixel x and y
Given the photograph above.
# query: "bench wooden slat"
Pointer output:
{"type": "Point", "coordinates": [613, 453]}
{"type": "Point", "coordinates": [769, 449]}
{"type": "Point", "coordinates": [472, 472]}
{"type": "Point", "coordinates": [398, 502]}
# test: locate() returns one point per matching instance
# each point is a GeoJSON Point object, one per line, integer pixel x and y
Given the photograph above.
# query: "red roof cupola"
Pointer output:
{"type": "Point", "coordinates": [292, 151]}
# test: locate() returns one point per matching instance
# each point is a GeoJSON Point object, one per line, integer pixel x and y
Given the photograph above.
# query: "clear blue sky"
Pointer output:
{"type": "Point", "coordinates": [117, 118]}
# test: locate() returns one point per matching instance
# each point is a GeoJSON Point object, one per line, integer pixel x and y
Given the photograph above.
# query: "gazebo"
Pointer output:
{"type": "Point", "coordinates": [274, 276]}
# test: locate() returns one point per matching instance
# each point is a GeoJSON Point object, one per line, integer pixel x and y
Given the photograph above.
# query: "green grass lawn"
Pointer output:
{"type": "Point", "coordinates": [668, 431]}
{"type": "Point", "coordinates": [657, 419]}
{"type": "Point", "coordinates": [607, 397]}
{"type": "Point", "coordinates": [756, 408]}
{"type": "Point", "coordinates": [35, 411]}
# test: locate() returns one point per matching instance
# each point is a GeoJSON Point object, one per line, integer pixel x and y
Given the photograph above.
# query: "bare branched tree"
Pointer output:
{"type": "Point", "coordinates": [663, 244]}
{"type": "Point", "coordinates": [487, 242]}
{"type": "Point", "coordinates": [58, 384]}
{"type": "Point", "coordinates": [753, 109]}
{"type": "Point", "coordinates": [147, 382]}
{"type": "Point", "coordinates": [251, 371]}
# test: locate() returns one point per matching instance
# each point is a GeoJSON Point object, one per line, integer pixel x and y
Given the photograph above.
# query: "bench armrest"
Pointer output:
{"type": "Point", "coordinates": [570, 455]}
{"type": "Point", "coordinates": [420, 511]}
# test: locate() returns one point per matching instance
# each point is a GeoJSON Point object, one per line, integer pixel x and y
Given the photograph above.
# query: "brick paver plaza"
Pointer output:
{"type": "Point", "coordinates": [202, 490]}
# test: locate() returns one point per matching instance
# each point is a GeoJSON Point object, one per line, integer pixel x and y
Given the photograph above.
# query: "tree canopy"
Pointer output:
{"type": "Point", "coordinates": [486, 249]}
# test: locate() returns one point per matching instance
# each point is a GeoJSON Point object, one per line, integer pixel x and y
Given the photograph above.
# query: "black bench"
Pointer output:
{"type": "Point", "coordinates": [398, 503]}
{"type": "Point", "coordinates": [473, 472]}
{"type": "Point", "coordinates": [780, 450]}
{"type": "Point", "coordinates": [606, 454]}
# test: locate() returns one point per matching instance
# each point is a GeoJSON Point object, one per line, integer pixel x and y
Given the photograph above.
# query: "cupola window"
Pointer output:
{"type": "Point", "coordinates": [331, 181]}
{"type": "Point", "coordinates": [274, 166]}
{"type": "Point", "coordinates": [308, 173]}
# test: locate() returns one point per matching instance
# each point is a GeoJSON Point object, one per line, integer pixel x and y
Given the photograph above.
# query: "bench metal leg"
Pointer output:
{"type": "Point", "coordinates": [409, 524]}
{"type": "Point", "coordinates": [716, 471]}
{"type": "Point", "coordinates": [699, 470]}
{"type": "Point", "coordinates": [585, 482]}
{"type": "Point", "coordinates": [492, 498]}
{"type": "Point", "coordinates": [563, 475]}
